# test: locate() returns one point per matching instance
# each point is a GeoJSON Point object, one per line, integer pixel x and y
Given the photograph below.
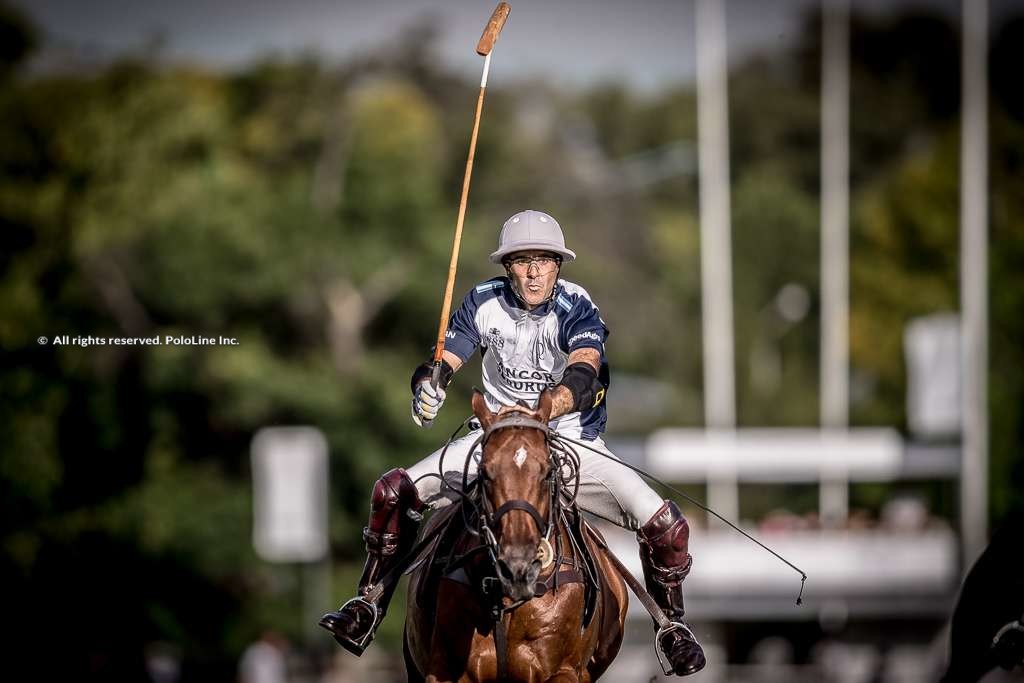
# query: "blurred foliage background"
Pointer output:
{"type": "Point", "coordinates": [306, 208]}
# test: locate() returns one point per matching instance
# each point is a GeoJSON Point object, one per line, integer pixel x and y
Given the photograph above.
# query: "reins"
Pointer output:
{"type": "Point", "coordinates": [560, 443]}
{"type": "Point", "coordinates": [563, 476]}
{"type": "Point", "coordinates": [640, 471]}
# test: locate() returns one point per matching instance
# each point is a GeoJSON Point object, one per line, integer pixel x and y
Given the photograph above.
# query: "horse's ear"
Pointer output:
{"type": "Point", "coordinates": [480, 409]}
{"type": "Point", "coordinates": [544, 406]}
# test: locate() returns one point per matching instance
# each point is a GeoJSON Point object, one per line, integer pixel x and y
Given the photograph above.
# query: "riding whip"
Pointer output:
{"type": "Point", "coordinates": [483, 48]}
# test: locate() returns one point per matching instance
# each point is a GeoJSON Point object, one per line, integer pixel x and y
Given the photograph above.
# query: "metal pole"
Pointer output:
{"type": "Point", "coordinates": [716, 239]}
{"type": "Point", "coordinates": [974, 278]}
{"type": "Point", "coordinates": [835, 242]}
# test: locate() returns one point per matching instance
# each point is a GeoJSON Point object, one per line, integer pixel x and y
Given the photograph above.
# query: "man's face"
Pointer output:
{"type": "Point", "coordinates": [534, 274]}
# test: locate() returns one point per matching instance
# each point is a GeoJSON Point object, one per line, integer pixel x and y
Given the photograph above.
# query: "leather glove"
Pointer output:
{"type": "Point", "coordinates": [426, 399]}
{"type": "Point", "coordinates": [426, 402]}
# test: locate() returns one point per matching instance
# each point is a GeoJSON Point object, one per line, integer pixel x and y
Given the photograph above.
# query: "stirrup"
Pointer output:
{"type": "Point", "coordinates": [1011, 626]}
{"type": "Point", "coordinates": [665, 630]}
{"type": "Point", "coordinates": [1008, 645]}
{"type": "Point", "coordinates": [360, 603]}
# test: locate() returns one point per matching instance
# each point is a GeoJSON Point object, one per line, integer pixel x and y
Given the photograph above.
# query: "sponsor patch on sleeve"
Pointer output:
{"type": "Point", "coordinates": [593, 336]}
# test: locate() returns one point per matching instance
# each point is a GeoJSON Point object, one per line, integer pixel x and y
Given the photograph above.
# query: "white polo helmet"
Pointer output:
{"type": "Point", "coordinates": [531, 230]}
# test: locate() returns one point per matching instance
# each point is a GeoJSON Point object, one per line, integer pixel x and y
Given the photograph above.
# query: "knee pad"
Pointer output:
{"type": "Point", "coordinates": [665, 538]}
{"type": "Point", "coordinates": [394, 494]}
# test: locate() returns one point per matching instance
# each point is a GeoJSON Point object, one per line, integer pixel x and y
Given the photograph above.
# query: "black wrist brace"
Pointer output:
{"type": "Point", "coordinates": [426, 370]}
{"type": "Point", "coordinates": [586, 389]}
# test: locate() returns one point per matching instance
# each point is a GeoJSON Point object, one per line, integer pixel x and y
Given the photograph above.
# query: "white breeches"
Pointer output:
{"type": "Point", "coordinates": [607, 489]}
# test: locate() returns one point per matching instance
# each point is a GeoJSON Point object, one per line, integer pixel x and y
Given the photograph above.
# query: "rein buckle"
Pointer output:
{"type": "Point", "coordinates": [545, 553]}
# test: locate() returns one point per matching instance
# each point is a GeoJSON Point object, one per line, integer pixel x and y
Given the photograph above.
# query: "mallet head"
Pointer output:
{"type": "Point", "coordinates": [493, 28]}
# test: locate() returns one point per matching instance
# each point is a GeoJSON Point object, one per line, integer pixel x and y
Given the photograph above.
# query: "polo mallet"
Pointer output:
{"type": "Point", "coordinates": [483, 48]}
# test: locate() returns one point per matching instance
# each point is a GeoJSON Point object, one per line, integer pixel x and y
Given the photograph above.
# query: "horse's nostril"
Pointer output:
{"type": "Point", "coordinates": [505, 571]}
{"type": "Point", "coordinates": [533, 571]}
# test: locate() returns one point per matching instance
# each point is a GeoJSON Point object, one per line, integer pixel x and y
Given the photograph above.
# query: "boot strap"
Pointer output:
{"type": "Point", "coordinates": [670, 576]}
{"type": "Point", "coordinates": [382, 544]}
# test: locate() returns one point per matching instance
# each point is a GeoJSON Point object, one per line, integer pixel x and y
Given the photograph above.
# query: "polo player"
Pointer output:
{"type": "Point", "coordinates": [535, 331]}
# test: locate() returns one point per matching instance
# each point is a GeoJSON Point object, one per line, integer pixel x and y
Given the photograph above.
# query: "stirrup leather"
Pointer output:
{"type": "Point", "coordinates": [670, 627]}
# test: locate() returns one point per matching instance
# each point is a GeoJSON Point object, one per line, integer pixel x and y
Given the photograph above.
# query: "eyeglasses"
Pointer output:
{"type": "Point", "coordinates": [544, 263]}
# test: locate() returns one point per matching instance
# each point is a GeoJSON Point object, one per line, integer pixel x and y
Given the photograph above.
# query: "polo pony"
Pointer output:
{"type": "Point", "coordinates": [517, 586]}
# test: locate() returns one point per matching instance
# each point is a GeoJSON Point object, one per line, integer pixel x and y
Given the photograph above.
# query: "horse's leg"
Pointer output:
{"type": "Point", "coordinates": [417, 626]}
{"type": "Point", "coordinates": [412, 672]}
{"type": "Point", "coordinates": [611, 618]}
{"type": "Point", "coordinates": [564, 677]}
{"type": "Point", "coordinates": [452, 643]}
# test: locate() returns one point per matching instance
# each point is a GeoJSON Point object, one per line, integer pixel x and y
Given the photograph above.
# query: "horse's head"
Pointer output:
{"type": "Point", "coordinates": [515, 470]}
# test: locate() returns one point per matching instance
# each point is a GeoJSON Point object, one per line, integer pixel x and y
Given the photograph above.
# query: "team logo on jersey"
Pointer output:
{"type": "Point", "coordinates": [525, 379]}
{"type": "Point", "coordinates": [495, 339]}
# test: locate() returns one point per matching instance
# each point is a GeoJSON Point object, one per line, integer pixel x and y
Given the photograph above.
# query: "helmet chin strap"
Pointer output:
{"type": "Point", "coordinates": [519, 295]}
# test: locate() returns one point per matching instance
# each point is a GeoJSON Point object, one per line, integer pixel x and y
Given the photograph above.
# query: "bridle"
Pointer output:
{"type": "Point", "coordinates": [559, 455]}
{"type": "Point", "coordinates": [562, 479]}
{"type": "Point", "coordinates": [489, 518]}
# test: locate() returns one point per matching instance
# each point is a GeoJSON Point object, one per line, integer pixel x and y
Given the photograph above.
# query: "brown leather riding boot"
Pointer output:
{"type": "Point", "coordinates": [664, 554]}
{"type": "Point", "coordinates": [395, 514]}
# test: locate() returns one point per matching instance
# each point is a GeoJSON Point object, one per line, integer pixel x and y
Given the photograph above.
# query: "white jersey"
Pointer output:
{"type": "Point", "coordinates": [525, 352]}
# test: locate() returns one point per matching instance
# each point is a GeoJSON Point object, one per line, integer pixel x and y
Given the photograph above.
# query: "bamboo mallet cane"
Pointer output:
{"type": "Point", "coordinates": [483, 48]}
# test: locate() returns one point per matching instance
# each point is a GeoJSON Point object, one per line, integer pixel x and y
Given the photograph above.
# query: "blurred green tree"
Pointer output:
{"type": "Point", "coordinates": [307, 211]}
